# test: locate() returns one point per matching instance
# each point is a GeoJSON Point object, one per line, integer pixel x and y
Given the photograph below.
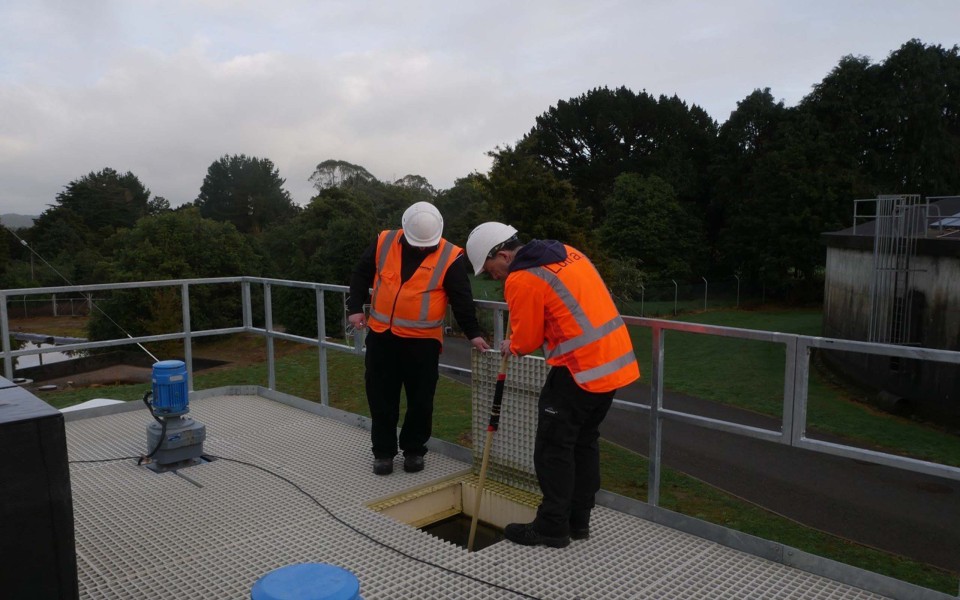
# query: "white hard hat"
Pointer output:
{"type": "Point", "coordinates": [484, 238]}
{"type": "Point", "coordinates": [422, 225]}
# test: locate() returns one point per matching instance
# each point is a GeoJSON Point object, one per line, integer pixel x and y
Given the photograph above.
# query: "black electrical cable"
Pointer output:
{"type": "Point", "coordinates": [366, 535]}
{"type": "Point", "coordinates": [99, 460]}
{"type": "Point", "coordinates": [163, 427]}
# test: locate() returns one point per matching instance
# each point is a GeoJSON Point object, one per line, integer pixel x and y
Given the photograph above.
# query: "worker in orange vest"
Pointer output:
{"type": "Point", "coordinates": [559, 303]}
{"type": "Point", "coordinates": [414, 273]}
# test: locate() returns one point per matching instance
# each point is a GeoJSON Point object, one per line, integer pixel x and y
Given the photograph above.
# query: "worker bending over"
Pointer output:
{"type": "Point", "coordinates": [558, 302]}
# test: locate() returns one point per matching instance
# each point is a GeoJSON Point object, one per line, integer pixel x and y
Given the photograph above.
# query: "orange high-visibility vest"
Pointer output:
{"type": "Point", "coordinates": [414, 308]}
{"type": "Point", "coordinates": [566, 308]}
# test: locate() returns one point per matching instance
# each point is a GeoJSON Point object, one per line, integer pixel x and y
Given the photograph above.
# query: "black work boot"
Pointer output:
{"type": "Point", "coordinates": [412, 463]}
{"type": "Point", "coordinates": [526, 535]}
{"type": "Point", "coordinates": [580, 525]}
{"type": "Point", "coordinates": [383, 466]}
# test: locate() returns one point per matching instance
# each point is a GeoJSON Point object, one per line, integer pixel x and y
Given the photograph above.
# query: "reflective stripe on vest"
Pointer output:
{"type": "Point", "coordinates": [382, 260]}
{"type": "Point", "coordinates": [605, 369]}
{"type": "Point", "coordinates": [425, 302]}
{"type": "Point", "coordinates": [590, 333]}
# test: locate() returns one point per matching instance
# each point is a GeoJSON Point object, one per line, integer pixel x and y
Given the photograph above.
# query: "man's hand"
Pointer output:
{"type": "Point", "coordinates": [480, 344]}
{"type": "Point", "coordinates": [505, 347]}
{"type": "Point", "coordinates": [357, 320]}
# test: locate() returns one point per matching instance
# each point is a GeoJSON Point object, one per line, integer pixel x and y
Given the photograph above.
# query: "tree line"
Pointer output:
{"type": "Point", "coordinates": [651, 187]}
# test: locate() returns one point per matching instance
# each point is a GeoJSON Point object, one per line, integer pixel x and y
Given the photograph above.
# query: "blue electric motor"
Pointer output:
{"type": "Point", "coordinates": [170, 394]}
{"type": "Point", "coordinates": [173, 440]}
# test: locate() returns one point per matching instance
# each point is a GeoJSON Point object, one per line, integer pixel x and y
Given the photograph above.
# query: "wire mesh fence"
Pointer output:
{"type": "Point", "coordinates": [674, 298]}
{"type": "Point", "coordinates": [26, 307]}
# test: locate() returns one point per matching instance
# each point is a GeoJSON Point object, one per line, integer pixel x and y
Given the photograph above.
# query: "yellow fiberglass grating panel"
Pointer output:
{"type": "Point", "coordinates": [313, 450]}
{"type": "Point", "coordinates": [166, 526]}
{"type": "Point", "coordinates": [511, 454]}
{"type": "Point", "coordinates": [721, 572]}
{"type": "Point", "coordinates": [144, 535]}
{"type": "Point", "coordinates": [418, 583]}
{"type": "Point", "coordinates": [219, 560]}
{"type": "Point", "coordinates": [103, 533]}
{"type": "Point", "coordinates": [108, 438]}
{"type": "Point", "coordinates": [553, 569]}
{"type": "Point", "coordinates": [246, 415]}
{"type": "Point", "coordinates": [102, 503]}
{"type": "Point", "coordinates": [652, 557]}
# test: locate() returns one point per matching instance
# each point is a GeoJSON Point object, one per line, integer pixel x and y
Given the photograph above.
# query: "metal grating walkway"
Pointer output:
{"type": "Point", "coordinates": [214, 531]}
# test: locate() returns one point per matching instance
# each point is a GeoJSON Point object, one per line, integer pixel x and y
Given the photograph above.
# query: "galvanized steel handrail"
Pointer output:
{"type": "Point", "coordinates": [795, 387]}
{"type": "Point", "coordinates": [796, 366]}
{"type": "Point", "coordinates": [187, 334]}
{"type": "Point", "coordinates": [792, 429]}
{"type": "Point", "coordinates": [796, 379]}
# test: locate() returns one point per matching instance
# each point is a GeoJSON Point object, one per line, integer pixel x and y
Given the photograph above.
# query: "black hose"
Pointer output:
{"type": "Point", "coordinates": [163, 427]}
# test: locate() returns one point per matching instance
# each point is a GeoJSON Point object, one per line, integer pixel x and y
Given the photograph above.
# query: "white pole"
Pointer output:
{"type": "Point", "coordinates": [705, 284]}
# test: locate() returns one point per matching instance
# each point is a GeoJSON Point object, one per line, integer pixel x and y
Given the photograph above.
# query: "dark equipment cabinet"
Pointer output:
{"type": "Point", "coordinates": [37, 554]}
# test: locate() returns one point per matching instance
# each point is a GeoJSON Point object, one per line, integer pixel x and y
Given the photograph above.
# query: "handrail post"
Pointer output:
{"type": "Point", "coordinates": [187, 338]}
{"type": "Point", "coordinates": [5, 334]}
{"type": "Point", "coordinates": [268, 327]}
{"type": "Point", "coordinates": [497, 328]}
{"type": "Point", "coordinates": [656, 425]}
{"type": "Point", "coordinates": [674, 296]}
{"type": "Point", "coordinates": [247, 305]}
{"type": "Point", "coordinates": [797, 386]}
{"type": "Point", "coordinates": [321, 339]}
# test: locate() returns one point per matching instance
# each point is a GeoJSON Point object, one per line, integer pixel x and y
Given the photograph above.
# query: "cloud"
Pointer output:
{"type": "Point", "coordinates": [163, 88]}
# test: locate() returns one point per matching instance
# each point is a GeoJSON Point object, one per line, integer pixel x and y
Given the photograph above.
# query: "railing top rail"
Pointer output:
{"type": "Point", "coordinates": [329, 287]}
{"type": "Point", "coordinates": [802, 342]}
{"type": "Point", "coordinates": [949, 356]}
{"type": "Point", "coordinates": [99, 287]}
{"type": "Point", "coordinates": [491, 304]}
{"type": "Point", "coordinates": [736, 332]}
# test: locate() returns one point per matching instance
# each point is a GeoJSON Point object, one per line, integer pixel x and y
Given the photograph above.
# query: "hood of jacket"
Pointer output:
{"type": "Point", "coordinates": [537, 253]}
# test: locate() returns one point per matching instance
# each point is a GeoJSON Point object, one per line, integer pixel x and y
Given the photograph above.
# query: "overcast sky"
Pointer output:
{"type": "Point", "coordinates": [163, 88]}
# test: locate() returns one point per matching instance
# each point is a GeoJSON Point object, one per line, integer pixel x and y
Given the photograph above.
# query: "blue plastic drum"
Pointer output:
{"type": "Point", "coordinates": [307, 581]}
{"type": "Point", "coordinates": [170, 394]}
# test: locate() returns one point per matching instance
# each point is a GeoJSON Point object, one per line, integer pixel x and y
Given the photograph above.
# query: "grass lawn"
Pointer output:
{"type": "Point", "coordinates": [485, 288]}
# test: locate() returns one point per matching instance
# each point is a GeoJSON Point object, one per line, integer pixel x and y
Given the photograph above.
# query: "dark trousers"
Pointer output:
{"type": "Point", "coordinates": [566, 453]}
{"type": "Point", "coordinates": [391, 363]}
